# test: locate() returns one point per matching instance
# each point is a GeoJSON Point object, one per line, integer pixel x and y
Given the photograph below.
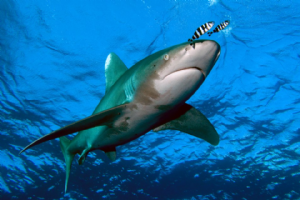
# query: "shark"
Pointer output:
{"type": "Point", "coordinates": [151, 95]}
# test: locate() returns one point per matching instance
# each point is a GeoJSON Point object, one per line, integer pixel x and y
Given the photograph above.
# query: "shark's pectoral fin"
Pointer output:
{"type": "Point", "coordinates": [114, 69]}
{"type": "Point", "coordinates": [107, 117]}
{"type": "Point", "coordinates": [190, 120]}
{"type": "Point", "coordinates": [112, 155]}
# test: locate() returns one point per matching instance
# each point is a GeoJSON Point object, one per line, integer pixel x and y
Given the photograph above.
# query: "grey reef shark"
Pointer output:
{"type": "Point", "coordinates": [150, 95]}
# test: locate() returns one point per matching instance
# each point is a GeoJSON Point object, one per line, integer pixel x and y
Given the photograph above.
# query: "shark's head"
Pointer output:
{"type": "Point", "coordinates": [201, 56]}
{"type": "Point", "coordinates": [174, 74]}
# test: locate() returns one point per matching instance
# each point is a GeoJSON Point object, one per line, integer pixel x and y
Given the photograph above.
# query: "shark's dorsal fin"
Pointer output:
{"type": "Point", "coordinates": [114, 69]}
{"type": "Point", "coordinates": [189, 120]}
{"type": "Point", "coordinates": [112, 155]}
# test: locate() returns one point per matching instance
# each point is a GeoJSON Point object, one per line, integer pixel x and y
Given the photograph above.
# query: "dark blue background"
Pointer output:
{"type": "Point", "coordinates": [52, 56]}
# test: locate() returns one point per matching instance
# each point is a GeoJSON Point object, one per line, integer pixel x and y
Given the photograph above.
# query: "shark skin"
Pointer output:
{"type": "Point", "coordinates": [150, 95]}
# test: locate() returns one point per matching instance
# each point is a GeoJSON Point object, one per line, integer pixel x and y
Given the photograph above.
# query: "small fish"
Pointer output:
{"type": "Point", "coordinates": [219, 27]}
{"type": "Point", "coordinates": [201, 30]}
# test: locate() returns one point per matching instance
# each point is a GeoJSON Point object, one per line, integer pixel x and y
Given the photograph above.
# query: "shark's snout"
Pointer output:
{"type": "Point", "coordinates": [206, 53]}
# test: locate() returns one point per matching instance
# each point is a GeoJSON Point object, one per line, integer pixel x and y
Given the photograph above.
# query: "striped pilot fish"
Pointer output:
{"type": "Point", "coordinates": [201, 30]}
{"type": "Point", "coordinates": [219, 27]}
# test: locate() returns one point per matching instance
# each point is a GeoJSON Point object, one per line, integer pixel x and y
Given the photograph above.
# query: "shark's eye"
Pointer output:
{"type": "Point", "coordinates": [166, 56]}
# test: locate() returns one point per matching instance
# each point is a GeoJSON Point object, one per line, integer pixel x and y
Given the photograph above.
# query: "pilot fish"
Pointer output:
{"type": "Point", "coordinates": [201, 30]}
{"type": "Point", "coordinates": [219, 27]}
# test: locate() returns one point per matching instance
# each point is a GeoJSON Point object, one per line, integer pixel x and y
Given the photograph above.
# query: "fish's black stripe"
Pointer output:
{"type": "Point", "coordinates": [199, 31]}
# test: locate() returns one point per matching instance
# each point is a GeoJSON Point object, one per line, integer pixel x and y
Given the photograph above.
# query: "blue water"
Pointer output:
{"type": "Point", "coordinates": [52, 56]}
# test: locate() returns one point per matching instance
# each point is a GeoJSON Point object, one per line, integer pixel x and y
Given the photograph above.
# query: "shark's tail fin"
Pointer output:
{"type": "Point", "coordinates": [64, 143]}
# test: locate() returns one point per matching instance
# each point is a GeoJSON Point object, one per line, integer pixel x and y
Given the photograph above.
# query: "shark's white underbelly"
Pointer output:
{"type": "Point", "coordinates": [148, 109]}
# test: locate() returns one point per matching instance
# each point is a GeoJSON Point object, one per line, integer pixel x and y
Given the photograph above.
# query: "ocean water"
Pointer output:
{"type": "Point", "coordinates": [52, 56]}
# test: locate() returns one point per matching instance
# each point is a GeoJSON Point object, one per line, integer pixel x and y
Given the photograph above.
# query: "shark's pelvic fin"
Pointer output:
{"type": "Point", "coordinates": [83, 155]}
{"type": "Point", "coordinates": [106, 117]}
{"type": "Point", "coordinates": [64, 143]}
{"type": "Point", "coordinates": [114, 69]}
{"type": "Point", "coordinates": [112, 155]}
{"type": "Point", "coordinates": [190, 120]}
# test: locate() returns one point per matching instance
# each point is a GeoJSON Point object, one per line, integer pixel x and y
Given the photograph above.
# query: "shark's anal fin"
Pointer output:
{"type": "Point", "coordinates": [112, 155]}
{"type": "Point", "coordinates": [106, 117]}
{"type": "Point", "coordinates": [189, 120]}
{"type": "Point", "coordinates": [114, 69]}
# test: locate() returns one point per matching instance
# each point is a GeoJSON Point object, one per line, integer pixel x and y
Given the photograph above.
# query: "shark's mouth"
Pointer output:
{"type": "Point", "coordinates": [189, 68]}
